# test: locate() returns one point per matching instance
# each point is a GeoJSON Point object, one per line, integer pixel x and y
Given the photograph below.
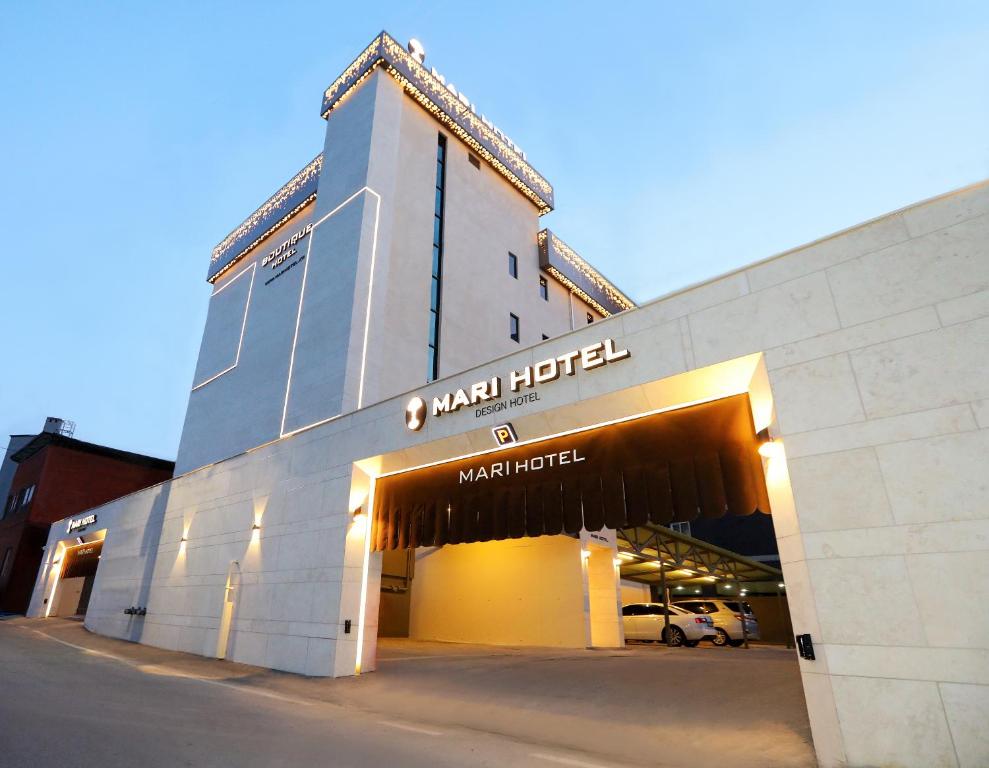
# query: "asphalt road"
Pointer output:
{"type": "Point", "coordinates": [69, 698]}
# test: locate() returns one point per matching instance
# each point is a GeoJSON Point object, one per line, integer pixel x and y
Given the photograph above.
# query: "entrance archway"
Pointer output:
{"type": "Point", "coordinates": [525, 536]}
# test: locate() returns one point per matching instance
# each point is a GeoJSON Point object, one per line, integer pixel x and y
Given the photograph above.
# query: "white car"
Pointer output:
{"type": "Point", "coordinates": [726, 617]}
{"type": "Point", "coordinates": [646, 621]}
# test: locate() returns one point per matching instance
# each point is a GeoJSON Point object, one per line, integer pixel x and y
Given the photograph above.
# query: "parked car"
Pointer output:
{"type": "Point", "coordinates": [727, 618]}
{"type": "Point", "coordinates": [646, 621]}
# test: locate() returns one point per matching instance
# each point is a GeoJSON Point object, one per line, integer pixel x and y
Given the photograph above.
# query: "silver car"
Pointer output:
{"type": "Point", "coordinates": [727, 618]}
{"type": "Point", "coordinates": [646, 621]}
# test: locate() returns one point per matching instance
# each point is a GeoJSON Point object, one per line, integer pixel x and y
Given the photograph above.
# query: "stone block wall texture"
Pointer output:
{"type": "Point", "coordinates": [875, 344]}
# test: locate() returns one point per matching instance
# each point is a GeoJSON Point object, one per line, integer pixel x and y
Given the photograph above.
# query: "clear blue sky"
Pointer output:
{"type": "Point", "coordinates": [683, 140]}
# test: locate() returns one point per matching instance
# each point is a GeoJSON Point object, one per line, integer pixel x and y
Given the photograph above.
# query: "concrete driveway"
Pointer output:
{"type": "Point", "coordinates": [73, 698]}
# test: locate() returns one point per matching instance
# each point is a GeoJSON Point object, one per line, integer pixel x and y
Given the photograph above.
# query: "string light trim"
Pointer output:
{"type": "Point", "coordinates": [443, 104]}
{"type": "Point", "coordinates": [276, 211]}
{"type": "Point", "coordinates": [564, 265]}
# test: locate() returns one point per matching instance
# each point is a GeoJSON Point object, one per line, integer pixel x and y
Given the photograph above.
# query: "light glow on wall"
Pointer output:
{"type": "Point", "coordinates": [772, 449]}
{"type": "Point", "coordinates": [51, 597]}
{"type": "Point", "coordinates": [370, 288]}
{"type": "Point", "coordinates": [362, 612]}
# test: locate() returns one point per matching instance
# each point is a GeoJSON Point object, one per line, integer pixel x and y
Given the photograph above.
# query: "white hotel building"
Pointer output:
{"type": "Point", "coordinates": [397, 300]}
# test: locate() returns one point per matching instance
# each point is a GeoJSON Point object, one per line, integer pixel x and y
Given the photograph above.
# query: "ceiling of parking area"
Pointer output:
{"type": "Point", "coordinates": [650, 553]}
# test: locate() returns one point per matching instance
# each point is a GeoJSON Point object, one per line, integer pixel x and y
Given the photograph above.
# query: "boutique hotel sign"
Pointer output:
{"type": "Point", "coordinates": [488, 396]}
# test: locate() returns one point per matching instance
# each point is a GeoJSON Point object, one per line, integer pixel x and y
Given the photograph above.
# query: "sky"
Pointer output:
{"type": "Point", "coordinates": [683, 140]}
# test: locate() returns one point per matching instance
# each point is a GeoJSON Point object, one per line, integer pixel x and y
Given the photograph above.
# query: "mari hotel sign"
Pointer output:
{"type": "Point", "coordinates": [491, 390]}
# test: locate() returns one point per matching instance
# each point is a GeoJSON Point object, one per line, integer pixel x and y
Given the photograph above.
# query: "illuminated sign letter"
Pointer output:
{"type": "Point", "coordinates": [611, 354]}
{"type": "Point", "coordinates": [518, 379]}
{"type": "Point", "coordinates": [441, 406]}
{"type": "Point", "coordinates": [547, 370]}
{"type": "Point", "coordinates": [590, 357]}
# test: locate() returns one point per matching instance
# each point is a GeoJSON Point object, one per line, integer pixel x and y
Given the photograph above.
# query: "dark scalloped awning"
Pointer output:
{"type": "Point", "coordinates": [701, 460]}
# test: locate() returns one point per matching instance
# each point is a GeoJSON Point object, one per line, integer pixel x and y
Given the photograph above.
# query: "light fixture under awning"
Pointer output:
{"type": "Point", "coordinates": [667, 467]}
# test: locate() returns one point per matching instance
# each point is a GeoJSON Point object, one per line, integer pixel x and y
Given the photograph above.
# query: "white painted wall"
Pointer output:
{"type": "Point", "coordinates": [873, 345]}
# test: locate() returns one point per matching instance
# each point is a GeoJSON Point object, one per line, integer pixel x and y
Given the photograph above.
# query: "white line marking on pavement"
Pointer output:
{"type": "Point", "coordinates": [255, 691]}
{"type": "Point", "coordinates": [448, 656]}
{"type": "Point", "coordinates": [412, 728]}
{"type": "Point", "coordinates": [160, 670]}
{"type": "Point", "coordinates": [81, 647]}
{"type": "Point", "coordinates": [566, 760]}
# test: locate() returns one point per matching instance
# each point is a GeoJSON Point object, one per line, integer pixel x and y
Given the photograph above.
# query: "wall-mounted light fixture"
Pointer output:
{"type": "Point", "coordinates": [184, 539]}
{"type": "Point", "coordinates": [360, 520]}
{"type": "Point", "coordinates": [256, 527]}
{"type": "Point", "coordinates": [585, 553]}
{"type": "Point", "coordinates": [769, 447]}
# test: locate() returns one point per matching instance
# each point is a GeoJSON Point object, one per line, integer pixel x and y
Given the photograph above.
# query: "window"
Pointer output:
{"type": "Point", "coordinates": [433, 356]}
{"type": "Point", "coordinates": [733, 607]}
{"type": "Point", "coordinates": [513, 327]}
{"type": "Point", "coordinates": [513, 265]}
{"type": "Point", "coordinates": [543, 289]}
{"type": "Point", "coordinates": [474, 160]}
{"type": "Point", "coordinates": [683, 527]}
{"type": "Point", "coordinates": [695, 607]}
{"type": "Point", "coordinates": [11, 503]}
{"type": "Point", "coordinates": [590, 318]}
{"type": "Point", "coordinates": [28, 495]}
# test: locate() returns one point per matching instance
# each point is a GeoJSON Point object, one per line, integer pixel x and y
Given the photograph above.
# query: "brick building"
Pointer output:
{"type": "Point", "coordinates": [54, 476]}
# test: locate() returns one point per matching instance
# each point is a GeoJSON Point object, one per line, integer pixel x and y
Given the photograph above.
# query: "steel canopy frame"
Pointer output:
{"type": "Point", "coordinates": [652, 550]}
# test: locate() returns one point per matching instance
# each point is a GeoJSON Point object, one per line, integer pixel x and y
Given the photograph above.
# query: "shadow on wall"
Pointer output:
{"type": "Point", "coordinates": [149, 552]}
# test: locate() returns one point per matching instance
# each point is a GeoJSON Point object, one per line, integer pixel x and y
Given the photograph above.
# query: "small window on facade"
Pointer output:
{"type": "Point", "coordinates": [474, 160]}
{"type": "Point", "coordinates": [683, 527]}
{"type": "Point", "coordinates": [12, 502]}
{"type": "Point", "coordinates": [590, 318]}
{"type": "Point", "coordinates": [513, 327]}
{"type": "Point", "coordinates": [513, 265]}
{"type": "Point", "coordinates": [543, 289]}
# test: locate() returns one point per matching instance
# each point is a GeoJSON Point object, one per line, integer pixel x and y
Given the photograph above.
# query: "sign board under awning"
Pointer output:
{"type": "Point", "coordinates": [660, 468]}
{"type": "Point", "coordinates": [82, 560]}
